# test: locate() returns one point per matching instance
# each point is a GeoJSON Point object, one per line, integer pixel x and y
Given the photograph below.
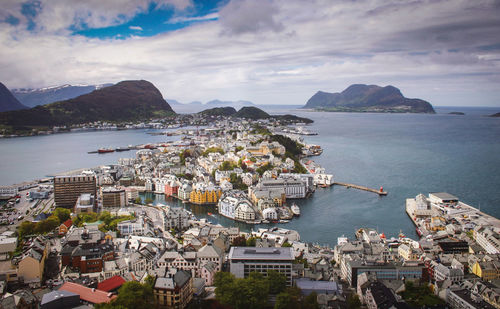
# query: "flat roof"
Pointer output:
{"type": "Point", "coordinates": [444, 196]}
{"type": "Point", "coordinates": [250, 253]}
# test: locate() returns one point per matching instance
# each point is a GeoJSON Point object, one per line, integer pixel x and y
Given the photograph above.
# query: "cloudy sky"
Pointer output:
{"type": "Point", "coordinates": [268, 52]}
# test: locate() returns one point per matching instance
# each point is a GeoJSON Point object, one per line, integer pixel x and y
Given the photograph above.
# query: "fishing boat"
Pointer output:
{"type": "Point", "coordinates": [295, 209]}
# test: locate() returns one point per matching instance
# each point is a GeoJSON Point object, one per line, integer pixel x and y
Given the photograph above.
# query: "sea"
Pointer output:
{"type": "Point", "coordinates": [406, 154]}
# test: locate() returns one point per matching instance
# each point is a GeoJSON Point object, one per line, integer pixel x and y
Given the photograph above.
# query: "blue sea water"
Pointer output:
{"type": "Point", "coordinates": [407, 154]}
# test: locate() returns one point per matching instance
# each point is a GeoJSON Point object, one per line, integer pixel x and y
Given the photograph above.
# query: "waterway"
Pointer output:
{"type": "Point", "coordinates": [407, 154]}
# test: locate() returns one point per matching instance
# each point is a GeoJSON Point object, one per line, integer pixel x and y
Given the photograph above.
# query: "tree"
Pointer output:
{"type": "Point", "coordinates": [353, 301]}
{"type": "Point", "coordinates": [286, 244]}
{"type": "Point", "coordinates": [131, 295]}
{"type": "Point", "coordinates": [250, 242]}
{"type": "Point", "coordinates": [239, 241]}
{"type": "Point", "coordinates": [288, 299]}
{"type": "Point", "coordinates": [247, 293]}
{"type": "Point", "coordinates": [62, 213]}
{"type": "Point", "coordinates": [138, 200]}
{"type": "Point", "coordinates": [311, 301]}
{"type": "Point", "coordinates": [26, 228]}
{"type": "Point", "coordinates": [277, 282]}
{"type": "Point", "coordinates": [149, 200]}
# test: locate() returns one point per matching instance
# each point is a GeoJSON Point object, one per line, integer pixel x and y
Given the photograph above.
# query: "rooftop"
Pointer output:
{"type": "Point", "coordinates": [246, 253]}
{"type": "Point", "coordinates": [87, 294]}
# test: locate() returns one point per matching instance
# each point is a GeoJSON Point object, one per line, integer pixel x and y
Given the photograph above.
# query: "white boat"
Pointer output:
{"type": "Point", "coordinates": [295, 209]}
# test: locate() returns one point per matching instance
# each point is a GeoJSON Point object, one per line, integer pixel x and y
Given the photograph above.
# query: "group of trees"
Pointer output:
{"type": "Point", "coordinates": [212, 150]}
{"type": "Point", "coordinates": [109, 222]}
{"type": "Point", "coordinates": [241, 241]}
{"type": "Point", "coordinates": [237, 182]}
{"type": "Point", "coordinates": [132, 295]}
{"type": "Point", "coordinates": [48, 225]}
{"type": "Point", "coordinates": [253, 291]}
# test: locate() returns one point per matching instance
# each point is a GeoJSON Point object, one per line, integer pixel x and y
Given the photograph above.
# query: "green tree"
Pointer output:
{"type": "Point", "coordinates": [286, 244]}
{"type": "Point", "coordinates": [288, 299]}
{"type": "Point", "coordinates": [131, 295]}
{"type": "Point", "coordinates": [353, 301]}
{"type": "Point", "coordinates": [149, 200]}
{"type": "Point", "coordinates": [224, 283]}
{"type": "Point", "coordinates": [138, 200]}
{"type": "Point", "coordinates": [250, 242]}
{"type": "Point", "coordinates": [105, 217]}
{"type": "Point", "coordinates": [277, 282]}
{"type": "Point", "coordinates": [62, 213]}
{"type": "Point", "coordinates": [26, 228]}
{"type": "Point", "coordinates": [311, 301]}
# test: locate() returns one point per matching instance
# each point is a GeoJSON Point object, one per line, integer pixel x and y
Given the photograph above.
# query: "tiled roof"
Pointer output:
{"type": "Point", "coordinates": [87, 294]}
{"type": "Point", "coordinates": [111, 284]}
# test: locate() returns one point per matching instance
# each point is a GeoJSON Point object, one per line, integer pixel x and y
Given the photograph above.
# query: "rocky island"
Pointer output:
{"type": "Point", "coordinates": [368, 98]}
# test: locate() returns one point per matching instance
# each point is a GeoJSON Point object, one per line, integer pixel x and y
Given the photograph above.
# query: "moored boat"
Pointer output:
{"type": "Point", "coordinates": [105, 150]}
{"type": "Point", "coordinates": [295, 209]}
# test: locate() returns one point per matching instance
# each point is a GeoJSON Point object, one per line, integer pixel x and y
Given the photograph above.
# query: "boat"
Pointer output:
{"type": "Point", "coordinates": [295, 209]}
{"type": "Point", "coordinates": [122, 149]}
{"type": "Point", "coordinates": [209, 213]}
{"type": "Point", "coordinates": [105, 150]}
{"type": "Point", "coordinates": [284, 221]}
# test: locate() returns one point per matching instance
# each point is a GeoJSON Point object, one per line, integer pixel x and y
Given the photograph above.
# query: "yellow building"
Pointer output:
{"type": "Point", "coordinates": [486, 270]}
{"type": "Point", "coordinates": [205, 196]}
{"type": "Point", "coordinates": [31, 266]}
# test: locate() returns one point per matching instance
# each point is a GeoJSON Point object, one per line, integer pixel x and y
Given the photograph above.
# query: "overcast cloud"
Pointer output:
{"type": "Point", "coordinates": [268, 52]}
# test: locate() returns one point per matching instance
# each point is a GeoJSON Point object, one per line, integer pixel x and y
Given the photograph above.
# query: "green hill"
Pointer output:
{"type": "Point", "coordinates": [126, 101]}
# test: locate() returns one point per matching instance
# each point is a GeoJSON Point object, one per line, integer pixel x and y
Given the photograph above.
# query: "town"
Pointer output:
{"type": "Point", "coordinates": [89, 237]}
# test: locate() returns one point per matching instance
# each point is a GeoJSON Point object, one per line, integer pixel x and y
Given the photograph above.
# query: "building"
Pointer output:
{"type": "Point", "coordinates": [235, 205]}
{"type": "Point", "coordinates": [294, 188]}
{"type": "Point", "coordinates": [85, 203]}
{"type": "Point", "coordinates": [8, 191]}
{"type": "Point", "coordinates": [171, 188]}
{"type": "Point", "coordinates": [184, 191]}
{"type": "Point", "coordinates": [488, 238]}
{"type": "Point", "coordinates": [64, 227]}
{"type": "Point", "coordinates": [244, 260]}
{"type": "Point", "coordinates": [175, 218]}
{"type": "Point", "coordinates": [87, 295]}
{"type": "Point", "coordinates": [60, 299]}
{"type": "Point", "coordinates": [442, 272]}
{"type": "Point", "coordinates": [113, 197]}
{"type": "Point", "coordinates": [67, 189]}
{"type": "Point", "coordinates": [463, 298]}
{"type": "Point", "coordinates": [205, 195]}
{"type": "Point", "coordinates": [31, 266]}
{"type": "Point", "coordinates": [173, 289]}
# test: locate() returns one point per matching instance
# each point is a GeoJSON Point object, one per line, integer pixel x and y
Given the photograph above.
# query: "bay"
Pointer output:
{"type": "Point", "coordinates": [407, 154]}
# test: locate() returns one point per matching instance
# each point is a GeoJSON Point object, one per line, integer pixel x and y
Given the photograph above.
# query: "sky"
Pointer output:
{"type": "Point", "coordinates": [266, 51]}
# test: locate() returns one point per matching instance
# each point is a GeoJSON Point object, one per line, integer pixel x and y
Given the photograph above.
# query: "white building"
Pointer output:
{"type": "Point", "coordinates": [488, 238]}
{"type": "Point", "coordinates": [235, 205]}
{"type": "Point", "coordinates": [294, 188]}
{"type": "Point", "coordinates": [175, 218]}
{"type": "Point", "coordinates": [244, 260]}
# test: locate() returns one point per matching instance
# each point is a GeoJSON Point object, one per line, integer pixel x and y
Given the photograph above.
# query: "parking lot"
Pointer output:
{"type": "Point", "coordinates": [23, 208]}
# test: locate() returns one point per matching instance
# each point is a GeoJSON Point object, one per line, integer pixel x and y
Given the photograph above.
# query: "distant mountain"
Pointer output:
{"type": "Point", "coordinates": [126, 101]}
{"type": "Point", "coordinates": [219, 111]}
{"type": "Point", "coordinates": [254, 113]}
{"type": "Point", "coordinates": [235, 104]}
{"type": "Point", "coordinates": [7, 101]}
{"type": "Point", "coordinates": [368, 98]}
{"type": "Point", "coordinates": [251, 112]}
{"type": "Point", "coordinates": [41, 96]}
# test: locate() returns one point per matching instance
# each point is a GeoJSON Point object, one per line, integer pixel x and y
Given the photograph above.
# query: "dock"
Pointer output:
{"type": "Point", "coordinates": [350, 185]}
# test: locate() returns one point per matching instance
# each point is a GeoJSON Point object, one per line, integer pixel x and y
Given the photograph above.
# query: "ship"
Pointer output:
{"type": "Point", "coordinates": [295, 209]}
{"type": "Point", "coordinates": [122, 149]}
{"type": "Point", "coordinates": [105, 150]}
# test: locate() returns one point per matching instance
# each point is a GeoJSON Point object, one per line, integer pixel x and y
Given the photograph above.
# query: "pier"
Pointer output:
{"type": "Point", "coordinates": [350, 185]}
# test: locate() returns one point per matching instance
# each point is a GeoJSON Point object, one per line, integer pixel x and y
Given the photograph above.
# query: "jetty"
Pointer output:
{"type": "Point", "coordinates": [350, 185]}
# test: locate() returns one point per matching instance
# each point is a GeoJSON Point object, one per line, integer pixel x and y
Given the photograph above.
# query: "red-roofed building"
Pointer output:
{"type": "Point", "coordinates": [88, 295]}
{"type": "Point", "coordinates": [64, 227]}
{"type": "Point", "coordinates": [112, 284]}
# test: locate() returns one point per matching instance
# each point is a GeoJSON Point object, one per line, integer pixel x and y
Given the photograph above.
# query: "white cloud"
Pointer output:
{"type": "Point", "coordinates": [297, 50]}
{"type": "Point", "coordinates": [135, 28]}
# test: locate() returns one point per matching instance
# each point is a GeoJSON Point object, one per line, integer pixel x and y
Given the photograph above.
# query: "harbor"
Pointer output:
{"type": "Point", "coordinates": [380, 192]}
